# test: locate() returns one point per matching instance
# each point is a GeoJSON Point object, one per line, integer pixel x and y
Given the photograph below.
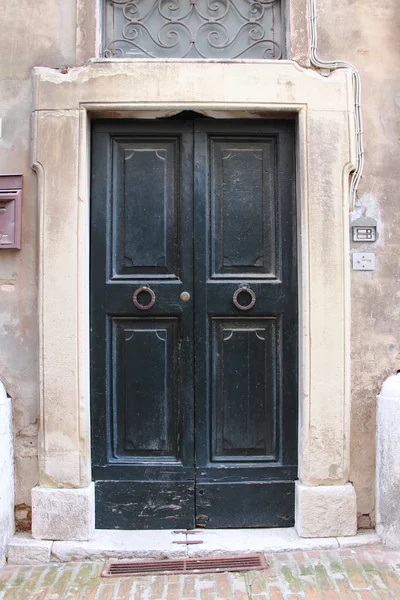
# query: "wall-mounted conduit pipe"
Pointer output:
{"type": "Point", "coordinates": [332, 66]}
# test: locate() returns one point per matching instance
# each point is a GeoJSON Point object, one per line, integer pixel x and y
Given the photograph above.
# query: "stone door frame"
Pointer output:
{"type": "Point", "coordinates": [64, 104]}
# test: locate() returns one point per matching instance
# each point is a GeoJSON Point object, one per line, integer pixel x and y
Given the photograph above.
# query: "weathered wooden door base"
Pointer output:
{"type": "Point", "coordinates": [193, 323]}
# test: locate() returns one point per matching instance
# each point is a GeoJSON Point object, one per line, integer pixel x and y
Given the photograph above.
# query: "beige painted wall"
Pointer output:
{"type": "Point", "coordinates": [362, 31]}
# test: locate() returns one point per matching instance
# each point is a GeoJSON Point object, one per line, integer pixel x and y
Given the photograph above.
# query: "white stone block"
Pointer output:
{"type": "Point", "coordinates": [220, 542]}
{"type": "Point", "coordinates": [6, 472]}
{"type": "Point", "coordinates": [366, 537]}
{"type": "Point", "coordinates": [326, 511]}
{"type": "Point", "coordinates": [388, 462]}
{"type": "Point", "coordinates": [118, 545]}
{"type": "Point", "coordinates": [63, 514]}
{"type": "Point", "coordinates": [24, 550]}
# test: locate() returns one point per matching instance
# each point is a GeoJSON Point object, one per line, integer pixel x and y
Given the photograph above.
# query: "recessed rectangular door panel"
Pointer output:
{"type": "Point", "coordinates": [244, 389]}
{"type": "Point", "coordinates": [147, 388]}
{"type": "Point", "coordinates": [146, 206]}
{"type": "Point", "coordinates": [243, 206]}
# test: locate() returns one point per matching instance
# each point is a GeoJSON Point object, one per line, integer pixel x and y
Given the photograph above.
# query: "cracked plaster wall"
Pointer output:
{"type": "Point", "coordinates": [362, 31]}
{"type": "Point", "coordinates": [32, 33]}
{"type": "Point", "coordinates": [366, 33]}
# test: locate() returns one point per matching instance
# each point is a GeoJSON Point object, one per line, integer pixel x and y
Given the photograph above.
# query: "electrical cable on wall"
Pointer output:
{"type": "Point", "coordinates": [332, 66]}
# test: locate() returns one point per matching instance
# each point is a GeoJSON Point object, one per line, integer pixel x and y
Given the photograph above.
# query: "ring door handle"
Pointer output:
{"type": "Point", "coordinates": [244, 288]}
{"type": "Point", "coordinates": [148, 290]}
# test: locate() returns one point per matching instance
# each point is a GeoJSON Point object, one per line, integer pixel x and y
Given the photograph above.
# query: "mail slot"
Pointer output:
{"type": "Point", "coordinates": [10, 211]}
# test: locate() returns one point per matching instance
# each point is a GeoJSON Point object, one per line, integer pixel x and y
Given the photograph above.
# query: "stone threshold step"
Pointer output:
{"type": "Point", "coordinates": [115, 544]}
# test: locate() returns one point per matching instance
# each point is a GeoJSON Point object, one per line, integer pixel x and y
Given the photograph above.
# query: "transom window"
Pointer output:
{"type": "Point", "coordinates": [220, 29]}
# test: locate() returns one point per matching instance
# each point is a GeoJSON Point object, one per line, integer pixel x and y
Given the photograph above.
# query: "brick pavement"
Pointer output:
{"type": "Point", "coordinates": [365, 573]}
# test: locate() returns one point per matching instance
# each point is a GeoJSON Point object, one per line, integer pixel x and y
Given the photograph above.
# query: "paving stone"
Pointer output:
{"type": "Point", "coordinates": [189, 587]}
{"type": "Point", "coordinates": [292, 581]}
{"type": "Point", "coordinates": [125, 588]}
{"type": "Point", "coordinates": [275, 593]}
{"type": "Point", "coordinates": [366, 595]}
{"type": "Point", "coordinates": [256, 583]}
{"type": "Point", "coordinates": [311, 591]}
{"type": "Point", "coordinates": [223, 586]}
{"type": "Point", "coordinates": [173, 591]}
{"type": "Point", "coordinates": [344, 587]}
{"type": "Point", "coordinates": [89, 591]}
{"type": "Point", "coordinates": [239, 587]}
{"type": "Point", "coordinates": [355, 573]}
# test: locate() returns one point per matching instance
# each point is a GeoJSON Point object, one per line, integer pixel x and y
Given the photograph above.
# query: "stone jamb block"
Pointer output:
{"type": "Point", "coordinates": [63, 514]}
{"type": "Point", "coordinates": [326, 511]}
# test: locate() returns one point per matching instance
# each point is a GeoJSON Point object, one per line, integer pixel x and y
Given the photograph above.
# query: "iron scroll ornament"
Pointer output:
{"type": "Point", "coordinates": [225, 29]}
{"type": "Point", "coordinates": [144, 288]}
{"type": "Point", "coordinates": [244, 287]}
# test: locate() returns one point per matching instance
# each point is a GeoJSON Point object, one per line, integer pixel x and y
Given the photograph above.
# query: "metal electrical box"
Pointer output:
{"type": "Point", "coordinates": [10, 211]}
{"type": "Point", "coordinates": [364, 230]}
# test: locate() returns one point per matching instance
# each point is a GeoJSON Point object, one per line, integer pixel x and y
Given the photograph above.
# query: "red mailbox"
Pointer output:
{"type": "Point", "coordinates": [10, 211]}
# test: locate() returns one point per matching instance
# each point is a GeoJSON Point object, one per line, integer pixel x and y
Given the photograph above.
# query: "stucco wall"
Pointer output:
{"type": "Point", "coordinates": [32, 33]}
{"type": "Point", "coordinates": [366, 33]}
{"type": "Point", "coordinates": [362, 31]}
{"type": "Point", "coordinates": [6, 473]}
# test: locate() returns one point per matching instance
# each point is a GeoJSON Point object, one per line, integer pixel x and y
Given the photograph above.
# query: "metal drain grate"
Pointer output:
{"type": "Point", "coordinates": [251, 562]}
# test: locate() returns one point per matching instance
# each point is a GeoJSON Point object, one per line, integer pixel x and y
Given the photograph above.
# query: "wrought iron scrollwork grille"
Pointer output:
{"type": "Point", "coordinates": [220, 29]}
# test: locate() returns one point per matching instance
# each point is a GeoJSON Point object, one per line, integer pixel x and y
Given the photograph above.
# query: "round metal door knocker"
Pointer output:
{"type": "Point", "coordinates": [247, 289]}
{"type": "Point", "coordinates": [148, 290]}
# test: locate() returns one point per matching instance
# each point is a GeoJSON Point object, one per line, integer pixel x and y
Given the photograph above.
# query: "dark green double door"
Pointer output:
{"type": "Point", "coordinates": [193, 323]}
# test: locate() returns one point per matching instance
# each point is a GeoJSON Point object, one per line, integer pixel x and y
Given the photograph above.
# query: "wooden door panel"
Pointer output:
{"type": "Point", "coordinates": [146, 206]}
{"type": "Point", "coordinates": [144, 504]}
{"type": "Point", "coordinates": [243, 206]}
{"type": "Point", "coordinates": [246, 390]}
{"type": "Point", "coordinates": [245, 358]}
{"type": "Point", "coordinates": [142, 360]}
{"type": "Point", "coordinates": [147, 394]}
{"type": "Point", "coordinates": [224, 505]}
